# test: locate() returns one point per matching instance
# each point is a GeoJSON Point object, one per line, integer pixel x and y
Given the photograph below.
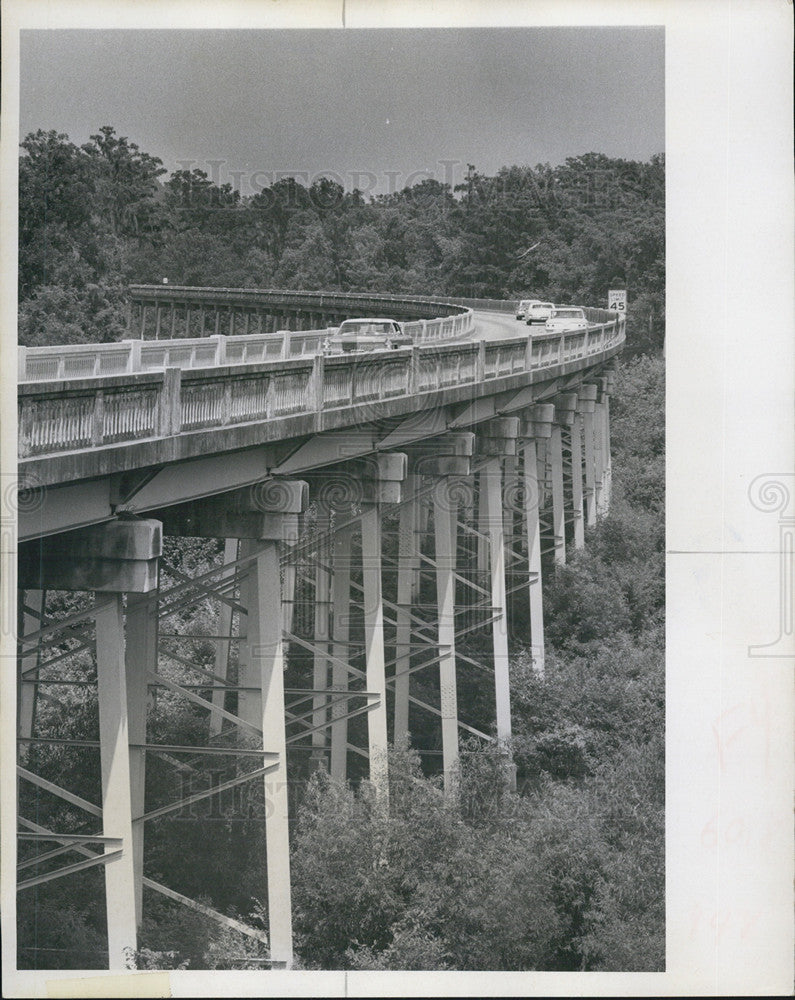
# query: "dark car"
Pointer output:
{"type": "Point", "coordinates": [368, 334]}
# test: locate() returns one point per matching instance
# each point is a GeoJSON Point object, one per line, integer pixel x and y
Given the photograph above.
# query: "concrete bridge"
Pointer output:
{"type": "Point", "coordinates": [374, 508]}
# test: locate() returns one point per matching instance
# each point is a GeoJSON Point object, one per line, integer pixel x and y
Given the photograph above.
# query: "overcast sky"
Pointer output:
{"type": "Point", "coordinates": [380, 103]}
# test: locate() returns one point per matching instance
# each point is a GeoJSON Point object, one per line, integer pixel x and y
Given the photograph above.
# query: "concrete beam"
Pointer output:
{"type": "Point", "coordinates": [245, 513]}
{"type": "Point", "coordinates": [445, 465]}
{"type": "Point", "coordinates": [113, 557]}
{"type": "Point", "coordinates": [538, 424]}
{"type": "Point", "coordinates": [565, 407]}
{"type": "Point", "coordinates": [381, 476]}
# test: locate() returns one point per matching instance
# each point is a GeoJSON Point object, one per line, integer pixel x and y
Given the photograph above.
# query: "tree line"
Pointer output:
{"type": "Point", "coordinates": [95, 218]}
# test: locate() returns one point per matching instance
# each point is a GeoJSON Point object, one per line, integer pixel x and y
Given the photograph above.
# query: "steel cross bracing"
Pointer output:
{"type": "Point", "coordinates": [549, 484]}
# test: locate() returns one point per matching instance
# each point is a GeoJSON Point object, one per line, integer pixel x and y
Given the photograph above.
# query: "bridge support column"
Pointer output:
{"type": "Point", "coordinates": [110, 559]}
{"type": "Point", "coordinates": [446, 461]}
{"type": "Point", "coordinates": [498, 439]}
{"type": "Point", "coordinates": [598, 434]}
{"type": "Point", "coordinates": [565, 406]}
{"type": "Point", "coordinates": [140, 661]}
{"type": "Point", "coordinates": [408, 564]}
{"type": "Point", "coordinates": [578, 508]}
{"type": "Point", "coordinates": [341, 601]}
{"type": "Point", "coordinates": [603, 434]}
{"type": "Point", "coordinates": [444, 521]}
{"type": "Point", "coordinates": [117, 819]}
{"type": "Point", "coordinates": [222, 643]}
{"type": "Point", "coordinates": [290, 538]}
{"type": "Point", "coordinates": [258, 518]}
{"type": "Point", "coordinates": [587, 406]}
{"type": "Point", "coordinates": [382, 478]}
{"type": "Point", "coordinates": [264, 669]}
{"type": "Point", "coordinates": [482, 544]}
{"type": "Point", "coordinates": [322, 634]}
{"type": "Point", "coordinates": [558, 516]}
{"type": "Point", "coordinates": [537, 428]}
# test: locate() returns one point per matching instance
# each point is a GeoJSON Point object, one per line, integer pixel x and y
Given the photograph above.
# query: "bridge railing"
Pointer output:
{"type": "Point", "coordinates": [72, 414]}
{"type": "Point", "coordinates": [87, 360]}
{"type": "Point", "coordinates": [405, 307]}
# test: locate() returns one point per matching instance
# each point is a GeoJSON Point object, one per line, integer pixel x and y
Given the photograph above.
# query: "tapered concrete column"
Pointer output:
{"type": "Point", "coordinates": [374, 644]}
{"type": "Point", "coordinates": [222, 643]}
{"type": "Point", "coordinates": [340, 600]}
{"type": "Point", "coordinates": [607, 485]}
{"type": "Point", "coordinates": [444, 521]}
{"type": "Point", "coordinates": [107, 559]}
{"type": "Point", "coordinates": [565, 409]}
{"type": "Point", "coordinates": [382, 477]}
{"type": "Point", "coordinates": [605, 387]}
{"type": "Point", "coordinates": [408, 552]}
{"type": "Point", "coordinates": [27, 693]}
{"type": "Point", "coordinates": [423, 516]}
{"type": "Point", "coordinates": [558, 515]}
{"type": "Point", "coordinates": [158, 313]}
{"type": "Point", "coordinates": [587, 406]}
{"type": "Point", "coordinates": [537, 427]}
{"type": "Point", "coordinates": [482, 548]}
{"type": "Point", "coordinates": [173, 319]}
{"type": "Point", "coordinates": [290, 525]}
{"type": "Point", "coordinates": [495, 439]}
{"type": "Point", "coordinates": [577, 501]}
{"type": "Point", "coordinates": [140, 660]}
{"type": "Point", "coordinates": [257, 516]}
{"type": "Point", "coordinates": [322, 634]}
{"type": "Point", "coordinates": [445, 462]}
{"type": "Point", "coordinates": [266, 659]}
{"type": "Point", "coordinates": [120, 888]}
{"type": "Point", "coordinates": [598, 431]}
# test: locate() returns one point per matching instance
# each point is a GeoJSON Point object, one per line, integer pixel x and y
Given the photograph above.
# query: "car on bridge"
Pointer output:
{"type": "Point", "coordinates": [539, 312]}
{"type": "Point", "coordinates": [566, 318]}
{"type": "Point", "coordinates": [524, 305]}
{"type": "Point", "coordinates": [367, 334]}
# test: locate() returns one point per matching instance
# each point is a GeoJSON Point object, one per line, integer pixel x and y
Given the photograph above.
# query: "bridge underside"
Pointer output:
{"type": "Point", "coordinates": [356, 572]}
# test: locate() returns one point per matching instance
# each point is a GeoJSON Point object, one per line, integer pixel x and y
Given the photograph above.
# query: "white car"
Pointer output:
{"type": "Point", "coordinates": [539, 312]}
{"type": "Point", "coordinates": [367, 334]}
{"type": "Point", "coordinates": [566, 318]}
{"type": "Point", "coordinates": [524, 305]}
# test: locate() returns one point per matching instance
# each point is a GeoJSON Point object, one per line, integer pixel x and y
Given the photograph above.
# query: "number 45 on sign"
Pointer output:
{"type": "Point", "coordinates": [617, 299]}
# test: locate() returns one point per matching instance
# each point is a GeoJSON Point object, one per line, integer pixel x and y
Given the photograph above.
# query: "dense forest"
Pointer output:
{"type": "Point", "coordinates": [95, 218]}
{"type": "Point", "coordinates": [566, 872]}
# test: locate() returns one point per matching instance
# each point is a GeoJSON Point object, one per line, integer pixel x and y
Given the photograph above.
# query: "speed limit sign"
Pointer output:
{"type": "Point", "coordinates": [617, 299]}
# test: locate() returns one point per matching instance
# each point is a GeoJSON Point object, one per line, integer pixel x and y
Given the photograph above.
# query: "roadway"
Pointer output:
{"type": "Point", "coordinates": [491, 325]}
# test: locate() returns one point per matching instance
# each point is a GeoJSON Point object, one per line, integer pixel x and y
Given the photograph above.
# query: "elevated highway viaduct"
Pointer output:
{"type": "Point", "coordinates": [372, 511]}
